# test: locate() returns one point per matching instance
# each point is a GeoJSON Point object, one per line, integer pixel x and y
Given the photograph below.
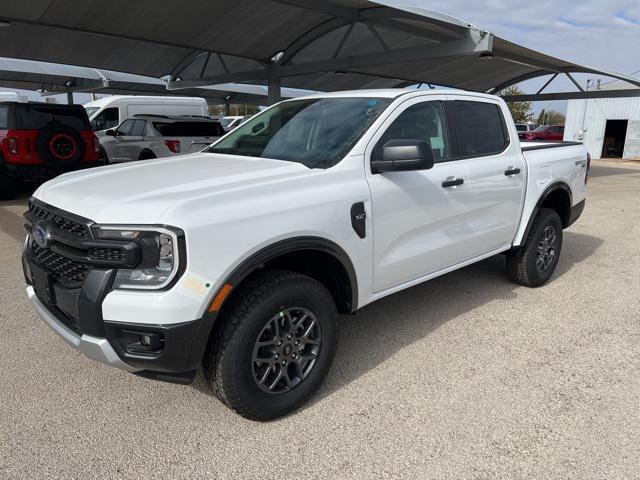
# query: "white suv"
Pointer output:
{"type": "Point", "coordinates": [143, 137]}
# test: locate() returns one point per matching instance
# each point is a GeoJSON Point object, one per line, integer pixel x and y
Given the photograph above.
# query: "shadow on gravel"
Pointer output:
{"type": "Point", "coordinates": [381, 329]}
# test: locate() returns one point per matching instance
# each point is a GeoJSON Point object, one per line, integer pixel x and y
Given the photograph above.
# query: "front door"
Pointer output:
{"type": "Point", "coordinates": [418, 216]}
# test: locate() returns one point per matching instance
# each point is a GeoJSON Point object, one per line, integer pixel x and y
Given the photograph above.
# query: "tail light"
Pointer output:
{"type": "Point", "coordinates": [12, 145]}
{"type": "Point", "coordinates": [174, 145]}
{"type": "Point", "coordinates": [96, 144]}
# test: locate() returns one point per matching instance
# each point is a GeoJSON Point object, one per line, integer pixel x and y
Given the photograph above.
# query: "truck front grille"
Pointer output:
{"type": "Point", "coordinates": [64, 270]}
{"type": "Point", "coordinates": [63, 222]}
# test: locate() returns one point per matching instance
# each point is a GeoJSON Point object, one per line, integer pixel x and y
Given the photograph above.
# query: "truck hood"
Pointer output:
{"type": "Point", "coordinates": [141, 192]}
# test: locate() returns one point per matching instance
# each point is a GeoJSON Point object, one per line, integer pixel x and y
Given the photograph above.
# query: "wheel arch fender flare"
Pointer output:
{"type": "Point", "coordinates": [254, 261]}
{"type": "Point", "coordinates": [292, 245]}
{"type": "Point", "coordinates": [554, 187]}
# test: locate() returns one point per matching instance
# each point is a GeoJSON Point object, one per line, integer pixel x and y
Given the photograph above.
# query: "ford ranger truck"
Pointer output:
{"type": "Point", "coordinates": [239, 258]}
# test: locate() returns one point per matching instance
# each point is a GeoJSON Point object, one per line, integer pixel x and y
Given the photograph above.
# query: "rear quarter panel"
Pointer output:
{"type": "Point", "coordinates": [548, 166]}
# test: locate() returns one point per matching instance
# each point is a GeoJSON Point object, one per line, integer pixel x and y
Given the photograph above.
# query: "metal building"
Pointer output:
{"type": "Point", "coordinates": [609, 127]}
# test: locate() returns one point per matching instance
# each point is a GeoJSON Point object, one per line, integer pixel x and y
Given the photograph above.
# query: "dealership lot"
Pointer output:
{"type": "Point", "coordinates": [466, 376]}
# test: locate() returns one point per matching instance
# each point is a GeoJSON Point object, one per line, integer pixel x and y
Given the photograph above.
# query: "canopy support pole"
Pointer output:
{"type": "Point", "coordinates": [275, 84]}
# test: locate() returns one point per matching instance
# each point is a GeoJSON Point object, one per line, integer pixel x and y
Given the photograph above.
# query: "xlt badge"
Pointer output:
{"type": "Point", "coordinates": [359, 219]}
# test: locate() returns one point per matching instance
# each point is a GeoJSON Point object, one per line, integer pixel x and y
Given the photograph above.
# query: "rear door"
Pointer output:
{"type": "Point", "coordinates": [496, 172]}
{"type": "Point", "coordinates": [419, 217]}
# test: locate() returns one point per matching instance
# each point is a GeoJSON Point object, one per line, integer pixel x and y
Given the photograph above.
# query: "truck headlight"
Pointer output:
{"type": "Point", "coordinates": [160, 248]}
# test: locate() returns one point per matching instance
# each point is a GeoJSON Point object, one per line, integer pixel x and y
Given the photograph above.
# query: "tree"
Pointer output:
{"type": "Point", "coordinates": [555, 118]}
{"type": "Point", "coordinates": [551, 118]}
{"type": "Point", "coordinates": [520, 111]}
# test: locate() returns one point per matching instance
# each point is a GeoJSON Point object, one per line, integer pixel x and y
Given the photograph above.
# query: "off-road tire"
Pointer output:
{"type": "Point", "coordinates": [228, 361]}
{"type": "Point", "coordinates": [522, 265]}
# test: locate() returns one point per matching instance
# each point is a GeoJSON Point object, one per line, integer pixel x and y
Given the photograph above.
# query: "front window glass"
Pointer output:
{"type": "Point", "coordinates": [91, 111]}
{"type": "Point", "coordinates": [317, 133]}
{"type": "Point", "coordinates": [106, 119]}
{"type": "Point", "coordinates": [423, 121]}
{"type": "Point", "coordinates": [125, 128]}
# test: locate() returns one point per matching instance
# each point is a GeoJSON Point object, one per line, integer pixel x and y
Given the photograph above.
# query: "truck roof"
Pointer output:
{"type": "Point", "coordinates": [394, 93]}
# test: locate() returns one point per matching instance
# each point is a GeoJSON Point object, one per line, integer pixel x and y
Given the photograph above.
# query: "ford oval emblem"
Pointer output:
{"type": "Point", "coordinates": [40, 235]}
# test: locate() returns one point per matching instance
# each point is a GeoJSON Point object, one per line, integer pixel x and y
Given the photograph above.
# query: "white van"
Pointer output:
{"type": "Point", "coordinates": [109, 112]}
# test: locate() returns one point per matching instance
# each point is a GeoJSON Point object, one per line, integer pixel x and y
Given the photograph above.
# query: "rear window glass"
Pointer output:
{"type": "Point", "coordinates": [139, 128]}
{"type": "Point", "coordinates": [189, 129]}
{"type": "Point", "coordinates": [480, 128]}
{"type": "Point", "coordinates": [31, 117]}
{"type": "Point", "coordinates": [4, 118]}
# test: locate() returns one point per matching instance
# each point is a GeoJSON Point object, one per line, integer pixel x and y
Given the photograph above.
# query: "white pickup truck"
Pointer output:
{"type": "Point", "coordinates": [239, 258]}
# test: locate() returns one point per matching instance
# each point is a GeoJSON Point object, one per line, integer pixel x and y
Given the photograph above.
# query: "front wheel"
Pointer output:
{"type": "Point", "coordinates": [273, 346]}
{"type": "Point", "coordinates": [535, 261]}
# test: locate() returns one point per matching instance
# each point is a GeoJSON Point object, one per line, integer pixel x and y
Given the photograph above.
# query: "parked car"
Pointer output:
{"type": "Point", "coordinates": [229, 123]}
{"type": "Point", "coordinates": [155, 136]}
{"type": "Point", "coordinates": [524, 128]}
{"type": "Point", "coordinates": [109, 112]}
{"type": "Point", "coordinates": [547, 133]}
{"type": "Point", "coordinates": [240, 257]}
{"type": "Point", "coordinates": [39, 141]}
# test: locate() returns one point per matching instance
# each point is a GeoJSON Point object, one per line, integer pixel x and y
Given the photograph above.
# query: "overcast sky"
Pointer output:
{"type": "Point", "coordinates": [602, 33]}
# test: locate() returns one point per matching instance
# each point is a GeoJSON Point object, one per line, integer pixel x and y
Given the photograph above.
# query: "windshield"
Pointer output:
{"type": "Point", "coordinates": [317, 132]}
{"type": "Point", "coordinates": [542, 128]}
{"type": "Point", "coordinates": [91, 111]}
{"type": "Point", "coordinates": [521, 128]}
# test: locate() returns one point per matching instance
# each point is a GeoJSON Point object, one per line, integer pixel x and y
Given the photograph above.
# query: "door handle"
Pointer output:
{"type": "Point", "coordinates": [511, 171]}
{"type": "Point", "coordinates": [452, 183]}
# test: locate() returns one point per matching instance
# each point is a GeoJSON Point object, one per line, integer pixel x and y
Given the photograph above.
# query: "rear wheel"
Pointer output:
{"type": "Point", "coordinates": [273, 345]}
{"type": "Point", "coordinates": [147, 155]}
{"type": "Point", "coordinates": [534, 262]}
{"type": "Point", "coordinates": [8, 187]}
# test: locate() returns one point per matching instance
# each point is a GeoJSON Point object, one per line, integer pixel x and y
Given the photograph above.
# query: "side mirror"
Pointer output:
{"type": "Point", "coordinates": [111, 132]}
{"type": "Point", "coordinates": [403, 156]}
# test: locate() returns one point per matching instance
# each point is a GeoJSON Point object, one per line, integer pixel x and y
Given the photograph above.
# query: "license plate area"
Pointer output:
{"type": "Point", "coordinates": [42, 280]}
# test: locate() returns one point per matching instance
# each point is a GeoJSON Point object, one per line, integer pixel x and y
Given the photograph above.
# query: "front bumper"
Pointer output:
{"type": "Point", "coordinates": [93, 347]}
{"type": "Point", "coordinates": [70, 299]}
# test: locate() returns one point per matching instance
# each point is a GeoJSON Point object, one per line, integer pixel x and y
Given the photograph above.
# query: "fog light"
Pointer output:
{"type": "Point", "coordinates": [145, 340]}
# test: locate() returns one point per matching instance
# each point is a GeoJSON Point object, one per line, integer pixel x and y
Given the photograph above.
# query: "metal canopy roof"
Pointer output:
{"type": "Point", "coordinates": [53, 78]}
{"type": "Point", "coordinates": [311, 44]}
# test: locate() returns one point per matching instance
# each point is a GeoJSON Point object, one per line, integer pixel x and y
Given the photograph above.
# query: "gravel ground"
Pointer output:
{"type": "Point", "coordinates": [466, 376]}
